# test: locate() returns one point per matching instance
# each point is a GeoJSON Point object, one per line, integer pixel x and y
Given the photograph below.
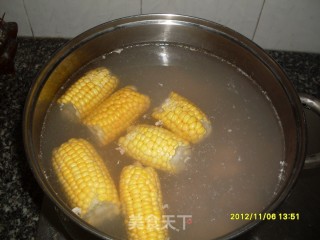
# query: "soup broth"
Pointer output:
{"type": "Point", "coordinates": [236, 169]}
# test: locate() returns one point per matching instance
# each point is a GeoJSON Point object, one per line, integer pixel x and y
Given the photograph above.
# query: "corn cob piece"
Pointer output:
{"type": "Point", "coordinates": [86, 181]}
{"type": "Point", "coordinates": [141, 199]}
{"type": "Point", "coordinates": [183, 118]}
{"type": "Point", "coordinates": [117, 113]}
{"type": "Point", "coordinates": [156, 147]}
{"type": "Point", "coordinates": [89, 91]}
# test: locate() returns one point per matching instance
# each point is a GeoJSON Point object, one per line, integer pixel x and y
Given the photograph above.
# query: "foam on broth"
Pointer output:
{"type": "Point", "coordinates": [237, 169]}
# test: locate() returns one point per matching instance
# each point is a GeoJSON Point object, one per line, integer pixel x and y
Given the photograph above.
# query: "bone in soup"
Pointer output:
{"type": "Point", "coordinates": [237, 168]}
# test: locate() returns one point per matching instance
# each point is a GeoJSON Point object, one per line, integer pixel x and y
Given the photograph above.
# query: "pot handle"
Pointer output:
{"type": "Point", "coordinates": [313, 104]}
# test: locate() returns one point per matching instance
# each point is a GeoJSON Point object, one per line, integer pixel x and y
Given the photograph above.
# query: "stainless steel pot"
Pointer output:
{"type": "Point", "coordinates": [164, 28]}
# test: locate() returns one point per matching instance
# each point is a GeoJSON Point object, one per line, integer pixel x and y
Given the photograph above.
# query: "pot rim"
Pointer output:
{"type": "Point", "coordinates": [135, 20]}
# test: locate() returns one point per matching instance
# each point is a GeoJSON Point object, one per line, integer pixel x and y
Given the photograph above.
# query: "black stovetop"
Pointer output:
{"type": "Point", "coordinates": [21, 198]}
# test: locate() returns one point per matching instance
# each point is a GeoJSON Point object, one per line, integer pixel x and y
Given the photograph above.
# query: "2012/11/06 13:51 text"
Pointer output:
{"type": "Point", "coordinates": [265, 216]}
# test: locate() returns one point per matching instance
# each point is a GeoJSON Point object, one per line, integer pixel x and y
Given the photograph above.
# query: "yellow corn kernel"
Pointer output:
{"type": "Point", "coordinates": [156, 147]}
{"type": "Point", "coordinates": [117, 113]}
{"type": "Point", "coordinates": [89, 91]}
{"type": "Point", "coordinates": [86, 182]}
{"type": "Point", "coordinates": [183, 118]}
{"type": "Point", "coordinates": [141, 199]}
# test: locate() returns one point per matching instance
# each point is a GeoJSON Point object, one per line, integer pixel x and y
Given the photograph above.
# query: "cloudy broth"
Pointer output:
{"type": "Point", "coordinates": [237, 169]}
